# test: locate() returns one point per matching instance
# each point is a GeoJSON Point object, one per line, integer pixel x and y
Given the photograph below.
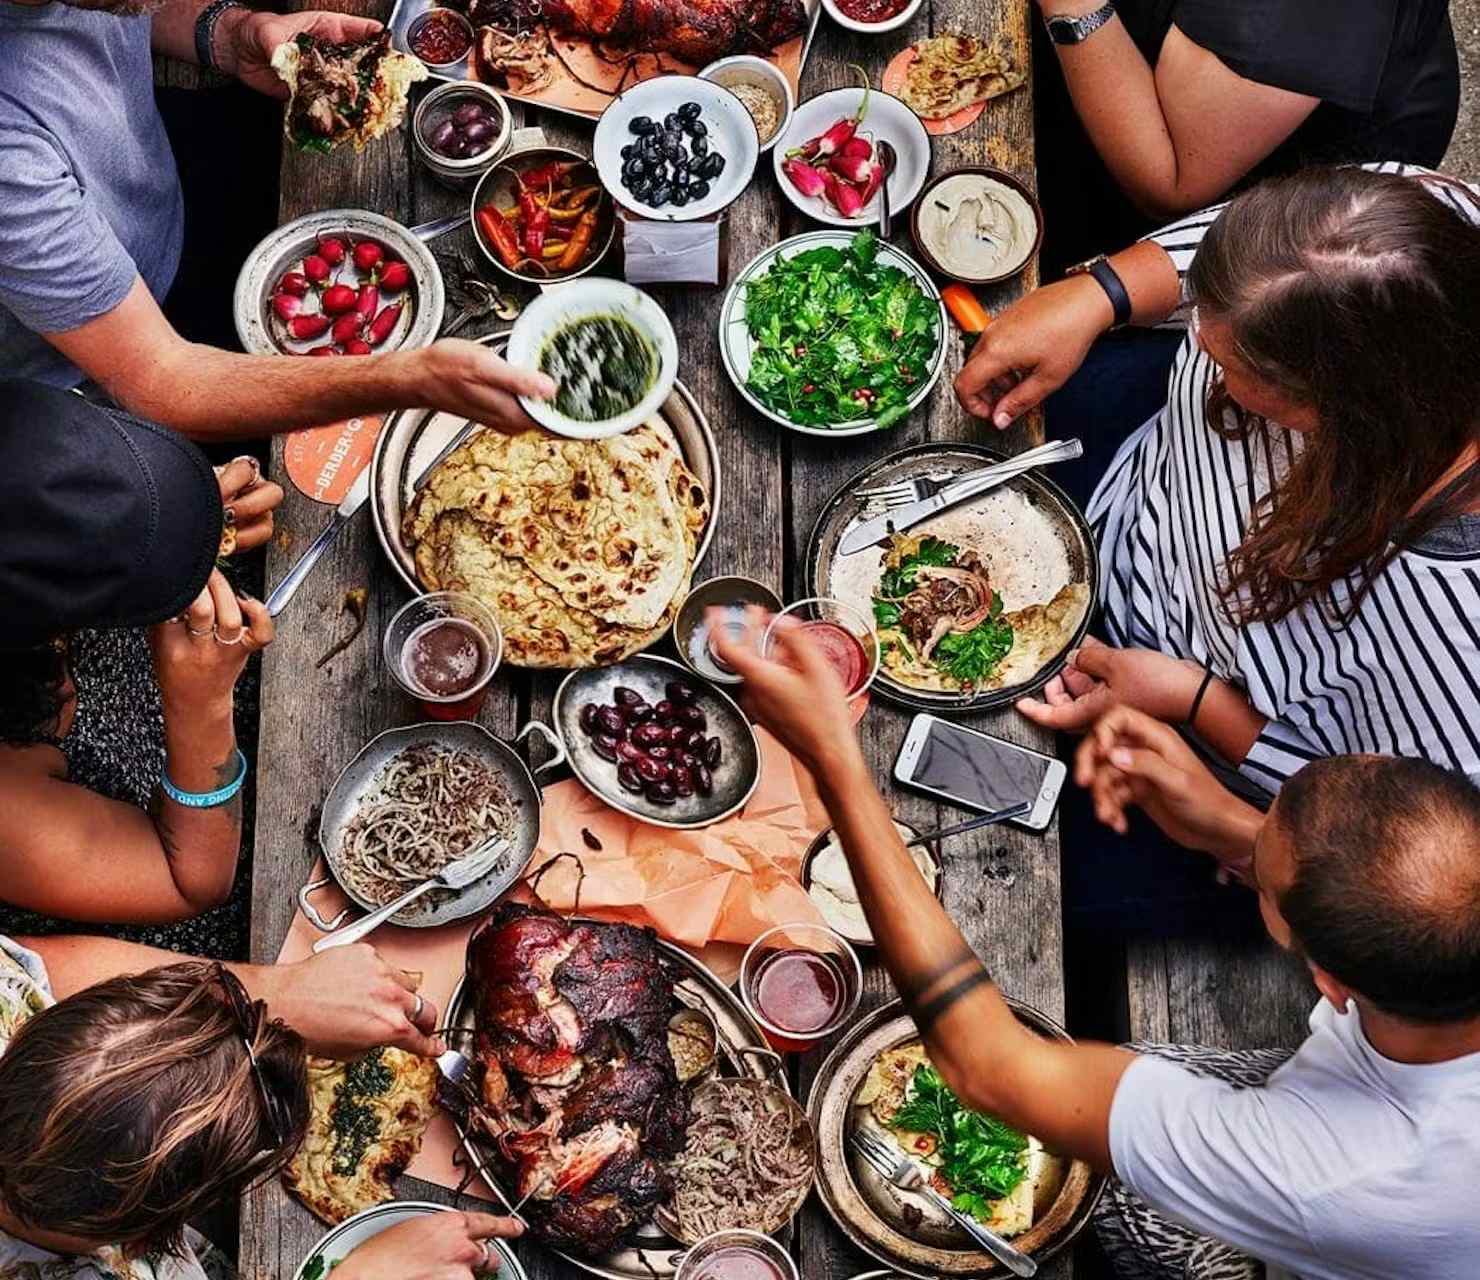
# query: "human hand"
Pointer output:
{"type": "Point", "coordinates": [246, 39]}
{"type": "Point", "coordinates": [466, 378]}
{"type": "Point", "coordinates": [434, 1246]}
{"type": "Point", "coordinates": [1032, 349]}
{"type": "Point", "coordinates": [346, 1000]}
{"type": "Point", "coordinates": [1130, 758]}
{"type": "Point", "coordinates": [1098, 677]}
{"type": "Point", "coordinates": [795, 694]}
{"type": "Point", "coordinates": [247, 501]}
{"type": "Point", "coordinates": [199, 655]}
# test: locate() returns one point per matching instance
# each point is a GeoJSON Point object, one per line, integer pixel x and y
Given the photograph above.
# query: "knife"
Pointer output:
{"type": "Point", "coordinates": [353, 501]}
{"type": "Point", "coordinates": [896, 520]}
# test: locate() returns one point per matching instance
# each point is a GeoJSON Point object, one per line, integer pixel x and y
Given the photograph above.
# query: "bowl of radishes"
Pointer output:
{"type": "Point", "coordinates": [827, 163]}
{"type": "Point", "coordinates": [343, 282]}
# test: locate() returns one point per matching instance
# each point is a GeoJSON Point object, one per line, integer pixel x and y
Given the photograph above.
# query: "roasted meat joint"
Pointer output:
{"type": "Point", "coordinates": [581, 1102]}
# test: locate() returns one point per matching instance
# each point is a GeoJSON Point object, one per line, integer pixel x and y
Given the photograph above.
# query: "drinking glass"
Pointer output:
{"type": "Point", "coordinates": [782, 945]}
{"type": "Point", "coordinates": [700, 1263]}
{"type": "Point", "coordinates": [420, 615]}
{"type": "Point", "coordinates": [820, 615]}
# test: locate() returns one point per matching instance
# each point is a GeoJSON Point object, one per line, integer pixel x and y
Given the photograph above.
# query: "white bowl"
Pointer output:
{"type": "Point", "coordinates": [872, 28]}
{"type": "Point", "coordinates": [888, 120]}
{"type": "Point", "coordinates": [731, 133]}
{"type": "Point", "coordinates": [349, 1235]}
{"type": "Point", "coordinates": [559, 305]}
{"type": "Point", "coordinates": [745, 68]}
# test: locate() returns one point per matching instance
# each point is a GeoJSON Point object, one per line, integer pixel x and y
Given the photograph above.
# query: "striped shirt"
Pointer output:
{"type": "Point", "coordinates": [1402, 678]}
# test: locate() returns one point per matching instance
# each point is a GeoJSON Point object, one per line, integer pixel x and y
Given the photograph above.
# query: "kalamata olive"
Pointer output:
{"type": "Point", "coordinates": [605, 746]}
{"type": "Point", "coordinates": [698, 129]}
{"type": "Point", "coordinates": [650, 770]}
{"type": "Point", "coordinates": [698, 190]}
{"type": "Point", "coordinates": [685, 758]}
{"type": "Point", "coordinates": [714, 752]}
{"type": "Point", "coordinates": [680, 691]}
{"type": "Point", "coordinates": [689, 111]}
{"type": "Point", "coordinates": [625, 697]}
{"type": "Point", "coordinates": [629, 751]}
{"type": "Point", "coordinates": [442, 137]}
{"type": "Point", "coordinates": [703, 780]}
{"type": "Point", "coordinates": [629, 779]}
{"type": "Point", "coordinates": [609, 720]}
{"type": "Point", "coordinates": [647, 736]}
{"type": "Point", "coordinates": [661, 792]}
{"type": "Point", "coordinates": [588, 718]}
{"type": "Point", "coordinates": [699, 148]}
{"type": "Point", "coordinates": [695, 741]}
{"type": "Point", "coordinates": [660, 195]}
{"type": "Point", "coordinates": [714, 165]}
{"type": "Point", "coordinates": [683, 781]}
{"type": "Point", "coordinates": [468, 112]}
{"type": "Point", "coordinates": [478, 133]}
{"type": "Point", "coordinates": [664, 709]}
{"type": "Point", "coordinates": [641, 125]}
{"type": "Point", "coordinates": [660, 752]}
{"type": "Point", "coordinates": [634, 168]}
{"type": "Point", "coordinates": [637, 714]}
{"type": "Point", "coordinates": [672, 121]}
{"type": "Point", "coordinates": [692, 716]}
{"type": "Point", "coordinates": [677, 735]}
{"type": "Point", "coordinates": [680, 196]}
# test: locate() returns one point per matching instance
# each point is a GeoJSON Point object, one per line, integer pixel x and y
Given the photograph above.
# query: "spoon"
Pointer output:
{"type": "Point", "coordinates": [888, 159]}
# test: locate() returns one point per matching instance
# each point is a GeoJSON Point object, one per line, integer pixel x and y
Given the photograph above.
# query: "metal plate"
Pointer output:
{"type": "Point", "coordinates": [283, 249]}
{"type": "Point", "coordinates": [870, 1212]}
{"type": "Point", "coordinates": [742, 1052]}
{"type": "Point", "coordinates": [350, 1234]}
{"type": "Point", "coordinates": [736, 347]}
{"type": "Point", "coordinates": [411, 438]}
{"type": "Point", "coordinates": [1052, 523]}
{"type": "Point", "coordinates": [739, 769]}
{"type": "Point", "coordinates": [356, 784]}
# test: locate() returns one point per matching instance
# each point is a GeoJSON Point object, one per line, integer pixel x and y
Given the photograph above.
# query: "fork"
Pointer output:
{"type": "Point", "coordinates": [903, 492]}
{"type": "Point", "coordinates": [900, 1171]}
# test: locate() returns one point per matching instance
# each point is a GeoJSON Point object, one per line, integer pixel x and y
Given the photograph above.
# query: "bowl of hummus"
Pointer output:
{"type": "Point", "coordinates": [829, 882]}
{"type": "Point", "coordinates": [977, 224]}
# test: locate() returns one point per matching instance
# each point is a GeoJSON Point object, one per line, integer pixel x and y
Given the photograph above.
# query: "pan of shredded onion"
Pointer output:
{"type": "Point", "coordinates": [747, 1162]}
{"type": "Point", "coordinates": [417, 798]}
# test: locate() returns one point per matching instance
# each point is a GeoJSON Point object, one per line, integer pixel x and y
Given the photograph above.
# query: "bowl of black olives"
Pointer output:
{"type": "Point", "coordinates": [676, 148]}
{"type": "Point", "coordinates": [461, 130]}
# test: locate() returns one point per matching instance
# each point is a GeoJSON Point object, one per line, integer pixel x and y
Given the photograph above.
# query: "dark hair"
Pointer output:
{"type": "Point", "coordinates": [1386, 893]}
{"type": "Point", "coordinates": [33, 691]}
{"type": "Point", "coordinates": [130, 1108]}
{"type": "Point", "coordinates": [1358, 294]}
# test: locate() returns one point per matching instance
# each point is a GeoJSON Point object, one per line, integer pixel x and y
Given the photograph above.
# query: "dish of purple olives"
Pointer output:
{"type": "Point", "coordinates": [655, 742]}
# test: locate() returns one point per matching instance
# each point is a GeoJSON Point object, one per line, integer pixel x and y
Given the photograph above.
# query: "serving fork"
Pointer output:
{"type": "Point", "coordinates": [900, 1171]}
{"type": "Point", "coordinates": [903, 492]}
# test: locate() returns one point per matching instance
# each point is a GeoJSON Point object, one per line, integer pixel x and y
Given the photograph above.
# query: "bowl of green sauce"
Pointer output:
{"type": "Point", "coordinates": [610, 349]}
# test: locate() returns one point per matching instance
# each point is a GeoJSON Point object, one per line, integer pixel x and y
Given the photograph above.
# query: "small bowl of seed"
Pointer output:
{"type": "Point", "coordinates": [762, 89]}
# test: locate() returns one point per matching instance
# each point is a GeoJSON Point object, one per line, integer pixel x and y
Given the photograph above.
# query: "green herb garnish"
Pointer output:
{"type": "Point", "coordinates": [980, 1157]}
{"type": "Point", "coordinates": [838, 336]}
{"type": "Point", "coordinates": [351, 1120]}
{"type": "Point", "coordinates": [972, 656]}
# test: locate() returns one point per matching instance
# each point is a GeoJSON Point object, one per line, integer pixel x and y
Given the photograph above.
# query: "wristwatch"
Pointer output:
{"type": "Point", "coordinates": [1109, 280]}
{"type": "Point", "coordinates": [1063, 29]}
{"type": "Point", "coordinates": [205, 31]}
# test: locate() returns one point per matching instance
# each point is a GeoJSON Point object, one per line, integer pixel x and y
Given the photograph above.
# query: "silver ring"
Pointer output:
{"type": "Point", "coordinates": [418, 1007]}
{"type": "Point", "coordinates": [488, 1265]}
{"type": "Point", "coordinates": [240, 636]}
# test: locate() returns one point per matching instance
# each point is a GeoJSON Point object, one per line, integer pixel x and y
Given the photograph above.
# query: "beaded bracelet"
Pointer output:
{"type": "Point", "coordinates": [206, 799]}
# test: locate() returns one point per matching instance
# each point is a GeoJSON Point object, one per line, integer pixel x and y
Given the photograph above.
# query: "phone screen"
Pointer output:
{"type": "Point", "coordinates": [978, 771]}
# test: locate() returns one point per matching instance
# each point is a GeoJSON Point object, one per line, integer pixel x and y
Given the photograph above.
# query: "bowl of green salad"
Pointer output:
{"type": "Point", "coordinates": [610, 349]}
{"type": "Point", "coordinates": [833, 333]}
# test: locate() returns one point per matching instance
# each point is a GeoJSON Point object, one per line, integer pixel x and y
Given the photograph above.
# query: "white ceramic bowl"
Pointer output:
{"type": "Point", "coordinates": [888, 120]}
{"type": "Point", "coordinates": [344, 1239]}
{"type": "Point", "coordinates": [731, 133]}
{"type": "Point", "coordinates": [872, 28]}
{"type": "Point", "coordinates": [561, 304]}
{"type": "Point", "coordinates": [745, 68]}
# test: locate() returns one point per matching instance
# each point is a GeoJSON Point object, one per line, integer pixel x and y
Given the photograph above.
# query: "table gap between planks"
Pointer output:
{"type": "Point", "coordinates": [773, 485]}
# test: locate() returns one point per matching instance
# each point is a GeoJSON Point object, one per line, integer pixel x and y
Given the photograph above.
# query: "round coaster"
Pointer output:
{"type": "Point", "coordinates": [893, 82]}
{"type": "Point", "coordinates": [322, 462]}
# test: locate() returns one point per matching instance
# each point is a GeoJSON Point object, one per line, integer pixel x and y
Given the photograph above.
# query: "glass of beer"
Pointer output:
{"type": "Point", "coordinates": [443, 649]}
{"type": "Point", "coordinates": [801, 982]}
{"type": "Point", "coordinates": [844, 634]}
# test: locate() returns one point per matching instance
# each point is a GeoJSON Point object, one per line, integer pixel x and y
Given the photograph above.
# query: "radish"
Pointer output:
{"type": "Point", "coordinates": [338, 299]}
{"type": "Point", "coordinates": [307, 328]}
{"type": "Point", "coordinates": [285, 306]}
{"type": "Point", "coordinates": [394, 276]}
{"type": "Point", "coordinates": [293, 282]}
{"type": "Point", "coordinates": [381, 326]}
{"type": "Point", "coordinates": [316, 268]}
{"type": "Point", "coordinates": [357, 347]}
{"type": "Point", "coordinates": [347, 327]}
{"type": "Point", "coordinates": [331, 249]}
{"type": "Point", "coordinates": [368, 255]}
{"type": "Point", "coordinates": [321, 351]}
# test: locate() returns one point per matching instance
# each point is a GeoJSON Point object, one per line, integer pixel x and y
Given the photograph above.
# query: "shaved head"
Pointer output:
{"type": "Point", "coordinates": [1385, 891]}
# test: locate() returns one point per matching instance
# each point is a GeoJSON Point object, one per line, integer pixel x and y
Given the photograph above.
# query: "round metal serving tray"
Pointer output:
{"type": "Point", "coordinates": [1057, 517]}
{"type": "Point", "coordinates": [871, 1213]}
{"type": "Point", "coordinates": [742, 1052]}
{"type": "Point", "coordinates": [350, 1234]}
{"type": "Point", "coordinates": [412, 438]}
{"type": "Point", "coordinates": [283, 249]}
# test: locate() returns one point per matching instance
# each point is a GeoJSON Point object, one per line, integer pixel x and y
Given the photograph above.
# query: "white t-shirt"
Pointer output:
{"type": "Point", "coordinates": [25, 990]}
{"type": "Point", "coordinates": [1344, 1166]}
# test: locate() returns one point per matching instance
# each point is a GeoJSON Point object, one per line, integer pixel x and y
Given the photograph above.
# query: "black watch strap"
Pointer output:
{"type": "Point", "coordinates": [205, 31]}
{"type": "Point", "coordinates": [1107, 278]}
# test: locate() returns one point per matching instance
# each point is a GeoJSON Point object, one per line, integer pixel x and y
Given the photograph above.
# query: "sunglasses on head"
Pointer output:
{"type": "Point", "coordinates": [249, 1017]}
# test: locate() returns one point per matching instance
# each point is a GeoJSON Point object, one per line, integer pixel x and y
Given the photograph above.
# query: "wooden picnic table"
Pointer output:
{"type": "Point", "coordinates": [1002, 887]}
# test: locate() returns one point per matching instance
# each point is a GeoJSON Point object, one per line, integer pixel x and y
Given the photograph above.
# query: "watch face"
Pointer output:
{"type": "Point", "coordinates": [1063, 30]}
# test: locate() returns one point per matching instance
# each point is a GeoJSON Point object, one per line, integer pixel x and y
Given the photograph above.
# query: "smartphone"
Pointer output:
{"type": "Point", "coordinates": [977, 771]}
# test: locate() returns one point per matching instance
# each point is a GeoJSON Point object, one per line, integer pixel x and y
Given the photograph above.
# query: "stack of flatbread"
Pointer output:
{"type": "Point", "coordinates": [952, 72]}
{"type": "Point", "coordinates": [582, 549]}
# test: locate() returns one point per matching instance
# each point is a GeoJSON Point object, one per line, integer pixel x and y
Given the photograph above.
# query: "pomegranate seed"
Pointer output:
{"type": "Point", "coordinates": [331, 250]}
{"type": "Point", "coordinates": [307, 328]}
{"type": "Point", "coordinates": [316, 268]}
{"type": "Point", "coordinates": [347, 327]}
{"type": "Point", "coordinates": [321, 351]}
{"type": "Point", "coordinates": [285, 306]}
{"type": "Point", "coordinates": [338, 298]}
{"type": "Point", "coordinates": [294, 282]}
{"type": "Point", "coordinates": [357, 347]}
{"type": "Point", "coordinates": [368, 255]}
{"type": "Point", "coordinates": [394, 276]}
{"type": "Point", "coordinates": [808, 389]}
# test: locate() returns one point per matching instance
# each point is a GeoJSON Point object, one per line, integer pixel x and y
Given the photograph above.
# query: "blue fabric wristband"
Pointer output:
{"type": "Point", "coordinates": [206, 799]}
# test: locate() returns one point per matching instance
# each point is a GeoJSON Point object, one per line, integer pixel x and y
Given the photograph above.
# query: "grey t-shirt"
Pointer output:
{"type": "Point", "coordinates": [89, 194]}
{"type": "Point", "coordinates": [1345, 1165]}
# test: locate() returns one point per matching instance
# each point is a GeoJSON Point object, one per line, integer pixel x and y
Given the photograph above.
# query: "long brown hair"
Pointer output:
{"type": "Point", "coordinates": [131, 1107]}
{"type": "Point", "coordinates": [1358, 294]}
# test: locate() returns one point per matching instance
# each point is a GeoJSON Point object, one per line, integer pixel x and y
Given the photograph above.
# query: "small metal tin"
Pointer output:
{"type": "Point", "coordinates": [440, 14]}
{"type": "Point", "coordinates": [691, 632]}
{"type": "Point", "coordinates": [436, 106]}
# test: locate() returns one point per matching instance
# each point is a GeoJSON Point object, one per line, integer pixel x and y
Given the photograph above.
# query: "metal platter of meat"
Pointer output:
{"type": "Point", "coordinates": [581, 1100]}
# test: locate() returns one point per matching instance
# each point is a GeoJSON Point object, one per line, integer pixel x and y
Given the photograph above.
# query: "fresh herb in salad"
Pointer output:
{"type": "Point", "coordinates": [980, 1157]}
{"type": "Point", "coordinates": [839, 336]}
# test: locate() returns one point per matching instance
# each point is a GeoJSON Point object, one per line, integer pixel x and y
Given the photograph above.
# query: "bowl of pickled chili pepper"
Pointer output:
{"type": "Point", "coordinates": [542, 215]}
